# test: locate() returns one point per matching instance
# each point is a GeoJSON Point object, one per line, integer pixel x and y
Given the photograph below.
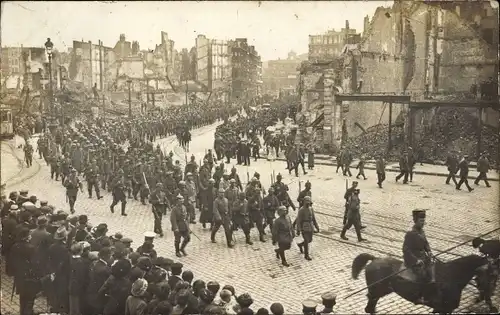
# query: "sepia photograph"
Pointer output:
{"type": "Point", "coordinates": [249, 157]}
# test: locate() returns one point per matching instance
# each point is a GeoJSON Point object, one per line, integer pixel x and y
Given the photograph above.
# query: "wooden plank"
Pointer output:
{"type": "Point", "coordinates": [373, 98]}
{"type": "Point", "coordinates": [456, 104]}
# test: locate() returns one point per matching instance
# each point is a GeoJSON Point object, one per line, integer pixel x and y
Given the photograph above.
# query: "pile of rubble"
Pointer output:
{"type": "Point", "coordinates": [455, 130]}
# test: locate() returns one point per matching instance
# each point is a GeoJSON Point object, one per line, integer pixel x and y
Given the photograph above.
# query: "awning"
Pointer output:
{"type": "Point", "coordinates": [318, 121]}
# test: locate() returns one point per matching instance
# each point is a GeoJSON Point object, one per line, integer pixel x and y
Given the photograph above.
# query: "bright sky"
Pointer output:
{"type": "Point", "coordinates": [274, 28]}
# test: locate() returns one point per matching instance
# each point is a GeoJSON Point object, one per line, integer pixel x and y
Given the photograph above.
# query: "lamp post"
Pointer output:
{"type": "Point", "coordinates": [129, 82]}
{"type": "Point", "coordinates": [48, 48]}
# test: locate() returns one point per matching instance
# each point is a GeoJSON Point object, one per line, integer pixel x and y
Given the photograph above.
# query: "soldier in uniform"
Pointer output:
{"type": "Point", "coordinates": [255, 207]}
{"type": "Point", "coordinates": [65, 167]}
{"type": "Point", "coordinates": [191, 193]}
{"type": "Point", "coordinates": [463, 166]}
{"type": "Point", "coordinates": [55, 166]}
{"type": "Point", "coordinates": [28, 154]}
{"type": "Point", "coordinates": [191, 166]}
{"type": "Point", "coordinates": [347, 196]}
{"type": "Point", "coordinates": [380, 169]}
{"type": "Point", "coordinates": [92, 177]}
{"type": "Point", "coordinates": [305, 223]}
{"type": "Point", "coordinates": [204, 176]}
{"type": "Point", "coordinates": [118, 192]}
{"type": "Point", "coordinates": [159, 203]}
{"type": "Point", "coordinates": [353, 216]}
{"type": "Point", "coordinates": [240, 216]}
{"type": "Point", "coordinates": [418, 256]}
{"type": "Point", "coordinates": [270, 204]}
{"type": "Point", "coordinates": [72, 184]}
{"type": "Point", "coordinates": [170, 187]}
{"type": "Point", "coordinates": [180, 226]}
{"type": "Point", "coordinates": [403, 168]}
{"type": "Point", "coordinates": [234, 175]}
{"type": "Point", "coordinates": [222, 216]}
{"type": "Point", "coordinates": [283, 234]}
{"type": "Point", "coordinates": [105, 170]}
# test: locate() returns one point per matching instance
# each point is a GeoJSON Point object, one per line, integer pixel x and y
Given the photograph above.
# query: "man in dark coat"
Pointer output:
{"type": "Point", "coordinates": [483, 166]}
{"type": "Point", "coordinates": [282, 234]}
{"type": "Point", "coordinates": [404, 167]}
{"type": "Point", "coordinates": [99, 273]}
{"type": "Point", "coordinates": [418, 256]}
{"type": "Point", "coordinates": [452, 166]}
{"type": "Point", "coordinates": [463, 166]}
{"type": "Point", "coordinates": [23, 265]}
{"type": "Point", "coordinates": [59, 261]}
{"type": "Point", "coordinates": [180, 226]}
{"type": "Point", "coordinates": [72, 184]}
{"type": "Point", "coordinates": [222, 217]}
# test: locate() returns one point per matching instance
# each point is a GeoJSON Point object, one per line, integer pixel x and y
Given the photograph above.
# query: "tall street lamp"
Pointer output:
{"type": "Point", "coordinates": [129, 82]}
{"type": "Point", "coordinates": [48, 47]}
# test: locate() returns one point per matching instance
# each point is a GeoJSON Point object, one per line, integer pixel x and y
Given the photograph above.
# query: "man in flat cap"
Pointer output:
{"type": "Point", "coordinates": [418, 256]}
{"type": "Point", "coordinates": [180, 226]}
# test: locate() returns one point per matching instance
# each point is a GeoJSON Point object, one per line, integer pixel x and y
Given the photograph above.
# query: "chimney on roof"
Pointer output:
{"type": "Point", "coordinates": [122, 38]}
{"type": "Point", "coordinates": [347, 25]}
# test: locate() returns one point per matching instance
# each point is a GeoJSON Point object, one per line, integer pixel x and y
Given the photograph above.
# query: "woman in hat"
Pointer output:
{"type": "Point", "coordinates": [135, 304]}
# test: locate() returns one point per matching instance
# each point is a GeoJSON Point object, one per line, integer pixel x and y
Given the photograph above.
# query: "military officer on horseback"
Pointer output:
{"type": "Point", "coordinates": [418, 256]}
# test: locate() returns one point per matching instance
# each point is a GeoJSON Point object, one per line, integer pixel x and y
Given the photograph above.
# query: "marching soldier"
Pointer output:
{"type": "Point", "coordinates": [305, 223]}
{"type": "Point", "coordinates": [180, 226]}
{"type": "Point", "coordinates": [234, 175]}
{"type": "Point", "coordinates": [191, 166]}
{"type": "Point", "coordinates": [304, 193]}
{"type": "Point", "coordinates": [270, 204]}
{"type": "Point", "coordinates": [254, 207]}
{"type": "Point", "coordinates": [118, 192]}
{"type": "Point", "coordinates": [105, 171]}
{"type": "Point", "coordinates": [353, 217]}
{"type": "Point", "coordinates": [346, 162]}
{"type": "Point", "coordinates": [283, 234]}
{"type": "Point", "coordinates": [159, 203]}
{"type": "Point", "coordinates": [55, 166]}
{"type": "Point", "coordinates": [65, 167]}
{"type": "Point", "coordinates": [72, 184]}
{"type": "Point", "coordinates": [191, 197]}
{"type": "Point", "coordinates": [418, 256]}
{"type": "Point", "coordinates": [240, 216]}
{"type": "Point", "coordinates": [347, 196]}
{"type": "Point", "coordinates": [92, 177]}
{"type": "Point", "coordinates": [28, 154]}
{"type": "Point", "coordinates": [361, 168]}
{"type": "Point", "coordinates": [204, 176]}
{"type": "Point", "coordinates": [170, 187]}
{"type": "Point", "coordinates": [222, 217]}
{"type": "Point", "coordinates": [452, 166]}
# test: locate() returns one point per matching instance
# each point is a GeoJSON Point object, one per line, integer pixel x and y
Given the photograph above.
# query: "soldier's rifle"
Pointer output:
{"type": "Point", "coordinates": [406, 268]}
{"type": "Point", "coordinates": [145, 181]}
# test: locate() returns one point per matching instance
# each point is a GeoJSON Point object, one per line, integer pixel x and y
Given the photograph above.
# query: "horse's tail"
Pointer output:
{"type": "Point", "coordinates": [359, 263]}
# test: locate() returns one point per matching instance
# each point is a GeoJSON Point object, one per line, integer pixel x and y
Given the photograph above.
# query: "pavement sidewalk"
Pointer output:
{"type": "Point", "coordinates": [25, 173]}
{"type": "Point", "coordinates": [424, 169]}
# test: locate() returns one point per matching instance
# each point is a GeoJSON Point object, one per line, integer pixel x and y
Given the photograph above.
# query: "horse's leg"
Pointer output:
{"type": "Point", "coordinates": [372, 304]}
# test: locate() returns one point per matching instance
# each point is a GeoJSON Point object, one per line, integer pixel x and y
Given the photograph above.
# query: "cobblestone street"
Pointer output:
{"type": "Point", "coordinates": [386, 212]}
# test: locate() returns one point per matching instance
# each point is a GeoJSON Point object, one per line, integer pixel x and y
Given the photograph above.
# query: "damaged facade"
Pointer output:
{"type": "Point", "coordinates": [409, 49]}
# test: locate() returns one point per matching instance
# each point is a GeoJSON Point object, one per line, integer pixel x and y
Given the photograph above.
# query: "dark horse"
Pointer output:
{"type": "Point", "coordinates": [382, 278]}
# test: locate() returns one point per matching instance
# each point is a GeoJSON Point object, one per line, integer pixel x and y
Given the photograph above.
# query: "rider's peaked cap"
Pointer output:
{"type": "Point", "coordinates": [309, 306]}
{"type": "Point", "coordinates": [328, 297]}
{"type": "Point", "coordinates": [419, 213]}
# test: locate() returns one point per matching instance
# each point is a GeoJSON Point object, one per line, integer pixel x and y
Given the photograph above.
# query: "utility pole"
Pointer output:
{"type": "Point", "coordinates": [186, 91]}
{"type": "Point", "coordinates": [129, 99]}
{"type": "Point", "coordinates": [101, 82]}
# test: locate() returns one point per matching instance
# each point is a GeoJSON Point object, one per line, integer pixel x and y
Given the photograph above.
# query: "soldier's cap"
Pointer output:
{"type": "Point", "coordinates": [44, 203]}
{"type": "Point", "coordinates": [211, 180]}
{"type": "Point", "coordinates": [14, 207]}
{"type": "Point", "coordinates": [73, 169]}
{"type": "Point", "coordinates": [189, 174]}
{"type": "Point", "coordinates": [102, 227]}
{"type": "Point", "coordinates": [281, 208]}
{"type": "Point", "coordinates": [309, 305]}
{"type": "Point", "coordinates": [279, 175]}
{"type": "Point", "coordinates": [419, 213]}
{"type": "Point", "coordinates": [308, 183]}
{"type": "Point", "coordinates": [180, 197]}
{"type": "Point", "coordinates": [355, 182]}
{"type": "Point", "coordinates": [328, 297]}
{"type": "Point", "coordinates": [221, 190]}
{"type": "Point", "coordinates": [117, 236]}
{"type": "Point", "coordinates": [126, 240]}
{"type": "Point", "coordinates": [33, 197]}
{"type": "Point", "coordinates": [149, 235]}
{"type": "Point", "coordinates": [23, 192]}
{"type": "Point", "coordinates": [182, 182]}
{"type": "Point", "coordinates": [307, 198]}
{"type": "Point", "coordinates": [232, 180]}
{"type": "Point", "coordinates": [254, 179]}
{"type": "Point", "coordinates": [177, 266]}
